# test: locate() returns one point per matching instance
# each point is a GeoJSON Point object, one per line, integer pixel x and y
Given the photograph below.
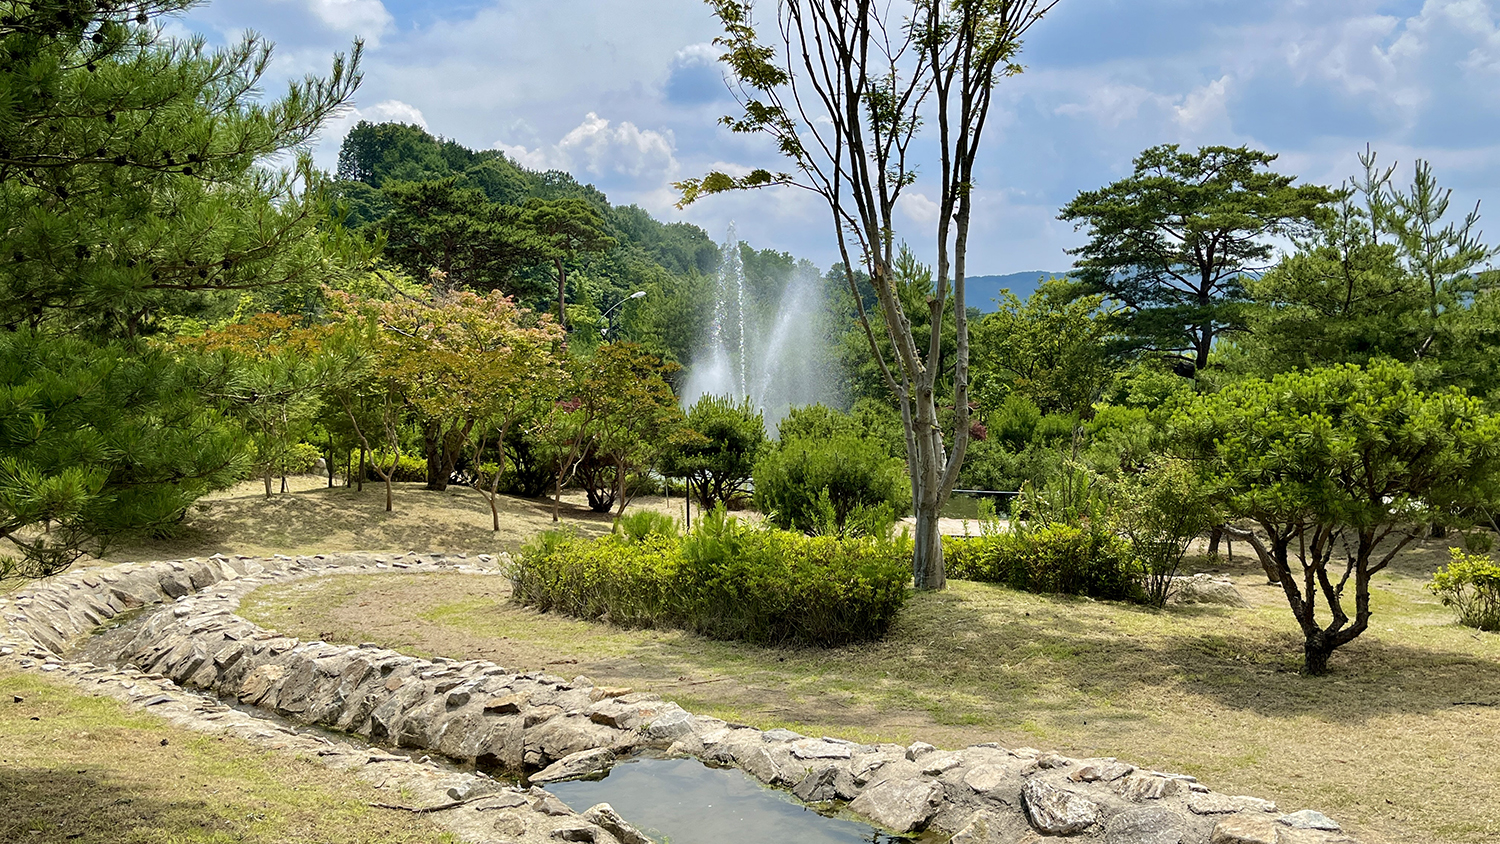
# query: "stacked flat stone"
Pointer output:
{"type": "Point", "coordinates": [556, 728]}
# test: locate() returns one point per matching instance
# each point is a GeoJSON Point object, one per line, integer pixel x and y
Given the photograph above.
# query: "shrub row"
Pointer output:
{"type": "Point", "coordinates": [726, 581]}
{"type": "Point", "coordinates": [1055, 558]}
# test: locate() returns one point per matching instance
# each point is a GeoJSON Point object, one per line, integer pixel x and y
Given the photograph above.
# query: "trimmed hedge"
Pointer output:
{"type": "Point", "coordinates": [724, 581]}
{"type": "Point", "coordinates": [1055, 559]}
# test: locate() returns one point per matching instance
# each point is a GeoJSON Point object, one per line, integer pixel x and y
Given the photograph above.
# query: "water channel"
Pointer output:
{"type": "Point", "coordinates": [683, 801]}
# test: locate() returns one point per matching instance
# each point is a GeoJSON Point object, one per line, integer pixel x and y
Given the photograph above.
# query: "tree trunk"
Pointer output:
{"type": "Point", "coordinates": [620, 487]}
{"type": "Point", "coordinates": [562, 281]}
{"type": "Point", "coordinates": [1315, 654]}
{"type": "Point", "coordinates": [359, 484]}
{"type": "Point", "coordinates": [927, 561]}
{"type": "Point", "coordinates": [442, 450]}
{"type": "Point", "coordinates": [267, 479]}
{"type": "Point", "coordinates": [927, 557]}
{"type": "Point", "coordinates": [432, 452]}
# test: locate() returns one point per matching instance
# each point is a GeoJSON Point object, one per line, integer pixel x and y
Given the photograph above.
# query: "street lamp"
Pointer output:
{"type": "Point", "coordinates": [604, 332]}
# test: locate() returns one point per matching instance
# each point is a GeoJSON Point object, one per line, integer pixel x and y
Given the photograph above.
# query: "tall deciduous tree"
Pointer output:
{"type": "Point", "coordinates": [1174, 242]}
{"type": "Point", "coordinates": [637, 413]}
{"type": "Point", "coordinates": [459, 359]}
{"type": "Point", "coordinates": [270, 375]}
{"type": "Point", "coordinates": [1340, 462]}
{"type": "Point", "coordinates": [1049, 349]}
{"type": "Point", "coordinates": [843, 89]}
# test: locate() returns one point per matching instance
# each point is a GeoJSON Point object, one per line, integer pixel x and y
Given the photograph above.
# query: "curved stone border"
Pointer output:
{"type": "Point", "coordinates": [476, 710]}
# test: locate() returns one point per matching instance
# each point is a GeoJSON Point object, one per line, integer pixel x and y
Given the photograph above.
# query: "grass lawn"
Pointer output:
{"type": "Point", "coordinates": [1399, 742]}
{"type": "Point", "coordinates": [75, 768]}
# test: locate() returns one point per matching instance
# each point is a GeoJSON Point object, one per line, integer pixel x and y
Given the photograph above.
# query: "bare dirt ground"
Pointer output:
{"type": "Point", "coordinates": [311, 518]}
{"type": "Point", "coordinates": [1399, 742]}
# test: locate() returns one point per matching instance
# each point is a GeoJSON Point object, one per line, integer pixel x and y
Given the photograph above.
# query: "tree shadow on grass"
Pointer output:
{"type": "Point", "coordinates": [47, 805]}
{"type": "Point", "coordinates": [1059, 649]}
{"type": "Point", "coordinates": [340, 518]}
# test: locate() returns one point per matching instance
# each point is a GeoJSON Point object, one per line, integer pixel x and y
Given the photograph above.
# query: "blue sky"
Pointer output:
{"type": "Point", "coordinates": [625, 93]}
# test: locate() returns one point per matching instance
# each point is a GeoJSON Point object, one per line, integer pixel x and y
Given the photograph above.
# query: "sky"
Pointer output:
{"type": "Point", "coordinates": [625, 94]}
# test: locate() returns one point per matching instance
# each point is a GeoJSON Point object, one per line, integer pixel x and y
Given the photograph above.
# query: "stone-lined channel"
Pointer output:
{"type": "Point", "coordinates": [554, 729]}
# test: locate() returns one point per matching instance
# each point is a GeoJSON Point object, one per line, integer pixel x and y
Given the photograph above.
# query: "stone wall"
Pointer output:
{"type": "Point", "coordinates": [553, 728]}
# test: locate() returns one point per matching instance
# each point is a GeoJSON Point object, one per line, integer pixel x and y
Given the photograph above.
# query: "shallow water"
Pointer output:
{"type": "Point", "coordinates": [684, 801]}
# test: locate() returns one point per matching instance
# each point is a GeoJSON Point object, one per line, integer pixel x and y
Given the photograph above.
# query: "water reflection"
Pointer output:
{"type": "Point", "coordinates": [686, 802]}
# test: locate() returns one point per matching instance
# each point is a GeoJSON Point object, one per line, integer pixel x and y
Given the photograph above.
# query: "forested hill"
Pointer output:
{"type": "Point", "coordinates": [981, 291]}
{"type": "Point", "coordinates": [491, 224]}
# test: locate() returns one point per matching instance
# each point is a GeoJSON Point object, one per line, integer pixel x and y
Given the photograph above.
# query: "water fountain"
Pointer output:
{"type": "Point", "coordinates": [777, 360]}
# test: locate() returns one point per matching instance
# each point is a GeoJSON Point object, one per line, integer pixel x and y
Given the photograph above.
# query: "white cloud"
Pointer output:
{"type": "Point", "coordinates": [602, 149]}
{"type": "Point", "coordinates": [390, 111]}
{"type": "Point", "coordinates": [918, 208]}
{"type": "Point", "coordinates": [1111, 104]}
{"type": "Point", "coordinates": [1204, 105]}
{"type": "Point", "coordinates": [367, 19]}
{"type": "Point", "coordinates": [705, 54]}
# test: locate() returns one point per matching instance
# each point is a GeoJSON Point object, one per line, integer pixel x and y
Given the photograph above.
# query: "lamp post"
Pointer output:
{"type": "Point", "coordinates": [604, 332]}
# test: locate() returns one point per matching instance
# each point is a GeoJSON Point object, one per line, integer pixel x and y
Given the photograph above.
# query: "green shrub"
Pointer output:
{"type": "Point", "coordinates": [726, 580]}
{"type": "Point", "coordinates": [647, 523]}
{"type": "Point", "coordinates": [409, 468]}
{"type": "Point", "coordinates": [842, 484]}
{"type": "Point", "coordinates": [1161, 511]}
{"type": "Point", "coordinates": [716, 449]}
{"type": "Point", "coordinates": [298, 458]}
{"type": "Point", "coordinates": [1052, 559]}
{"type": "Point", "coordinates": [1470, 583]}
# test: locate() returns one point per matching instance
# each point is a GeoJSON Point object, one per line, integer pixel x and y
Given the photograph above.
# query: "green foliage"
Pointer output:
{"type": "Point", "coordinates": [98, 439]}
{"type": "Point", "coordinates": [407, 468]}
{"type": "Point", "coordinates": [512, 211]}
{"type": "Point", "coordinates": [476, 245]}
{"type": "Point", "coordinates": [1074, 495]}
{"type": "Point", "coordinates": [725, 580]}
{"type": "Point", "coordinates": [1160, 511]}
{"type": "Point", "coordinates": [716, 449]}
{"type": "Point", "coordinates": [830, 483]}
{"type": "Point", "coordinates": [1470, 583]}
{"type": "Point", "coordinates": [1050, 350]}
{"type": "Point", "coordinates": [622, 415]}
{"type": "Point", "coordinates": [299, 458]}
{"type": "Point", "coordinates": [132, 177]}
{"type": "Point", "coordinates": [1174, 241]}
{"type": "Point", "coordinates": [1335, 458]}
{"type": "Point", "coordinates": [1050, 559]}
{"type": "Point", "coordinates": [137, 193]}
{"type": "Point", "coordinates": [644, 524]}
{"type": "Point", "coordinates": [1388, 275]}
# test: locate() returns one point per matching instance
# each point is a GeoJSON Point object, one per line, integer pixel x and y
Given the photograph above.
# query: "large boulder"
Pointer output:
{"type": "Point", "coordinates": [900, 805]}
{"type": "Point", "coordinates": [1206, 589]}
{"type": "Point", "coordinates": [1058, 811]}
{"type": "Point", "coordinates": [1146, 825]}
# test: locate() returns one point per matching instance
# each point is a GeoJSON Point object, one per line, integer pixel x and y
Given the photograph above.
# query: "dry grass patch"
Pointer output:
{"type": "Point", "coordinates": [1399, 742]}
{"type": "Point", "coordinates": [314, 518]}
{"type": "Point", "coordinates": [75, 768]}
